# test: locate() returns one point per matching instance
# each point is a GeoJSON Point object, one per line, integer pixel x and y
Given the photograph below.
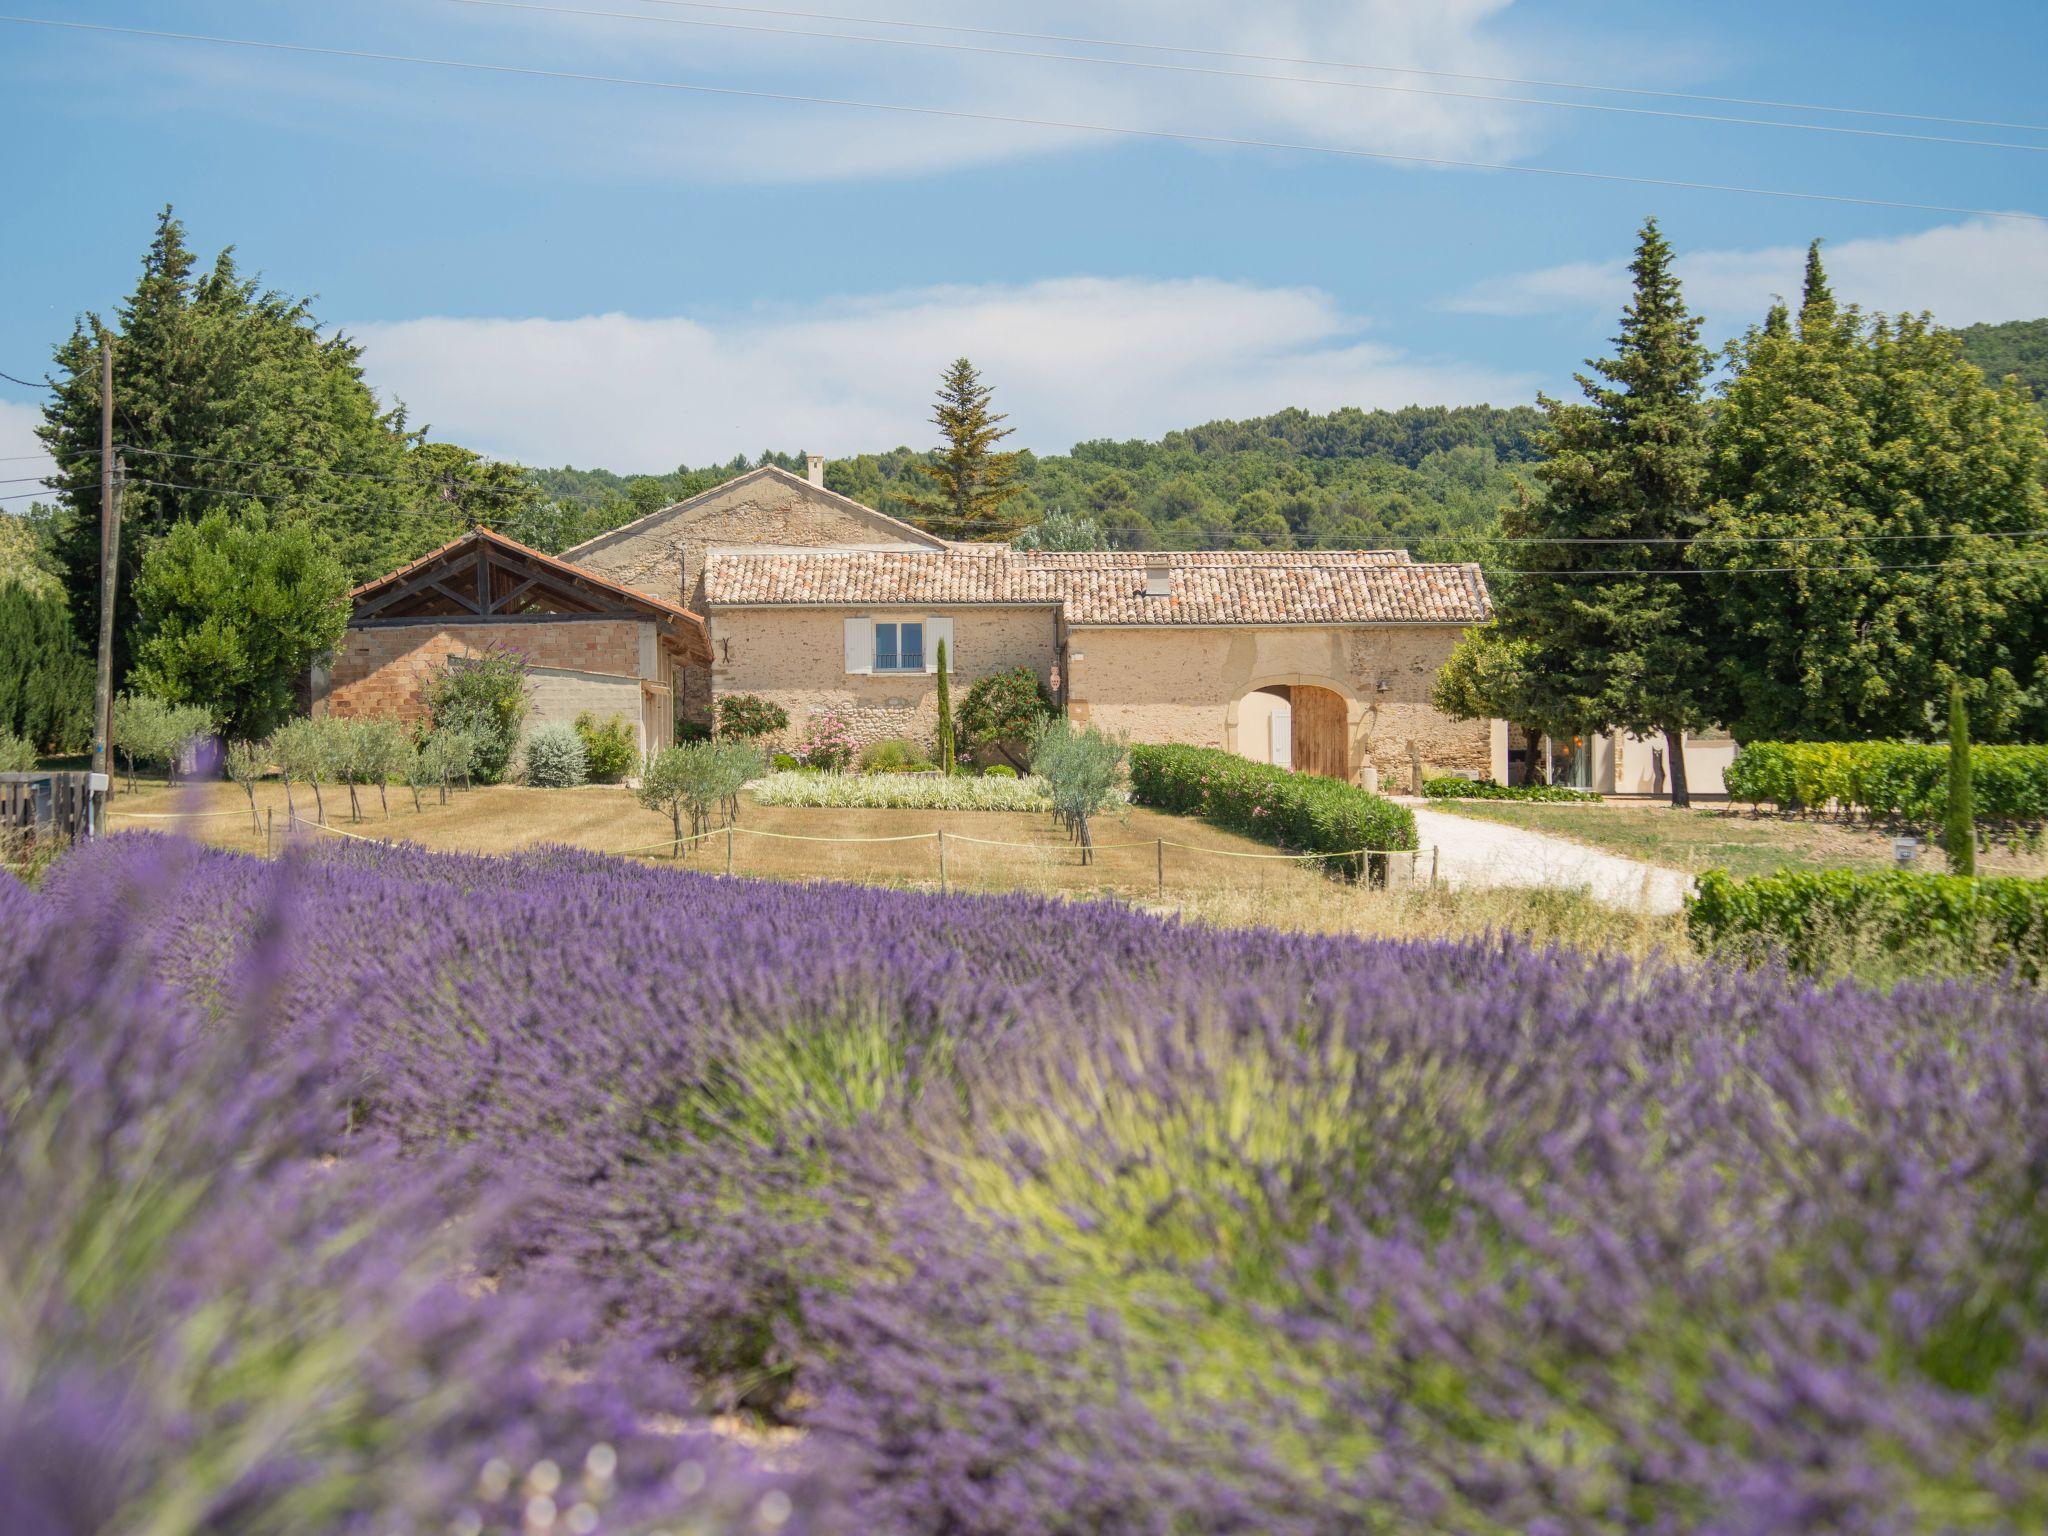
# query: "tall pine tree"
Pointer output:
{"type": "Point", "coordinates": [1894, 480]}
{"type": "Point", "coordinates": [973, 483]}
{"type": "Point", "coordinates": [225, 394]}
{"type": "Point", "coordinates": [1606, 640]}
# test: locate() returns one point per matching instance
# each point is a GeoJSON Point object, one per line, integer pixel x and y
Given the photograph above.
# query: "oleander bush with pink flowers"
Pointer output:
{"type": "Point", "coordinates": [326, 1182]}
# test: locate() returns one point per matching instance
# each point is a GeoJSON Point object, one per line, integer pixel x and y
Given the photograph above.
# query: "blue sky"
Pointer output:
{"type": "Point", "coordinates": [565, 271]}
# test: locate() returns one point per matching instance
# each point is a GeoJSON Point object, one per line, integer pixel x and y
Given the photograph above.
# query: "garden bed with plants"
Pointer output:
{"type": "Point", "coordinates": [1024, 1215]}
{"type": "Point", "coordinates": [902, 791]}
{"type": "Point", "coordinates": [1900, 782]}
{"type": "Point", "coordinates": [1486, 789]}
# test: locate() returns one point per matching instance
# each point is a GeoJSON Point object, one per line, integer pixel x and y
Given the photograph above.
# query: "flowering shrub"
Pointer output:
{"type": "Point", "coordinates": [1486, 789]}
{"type": "Point", "coordinates": [826, 742]}
{"type": "Point", "coordinates": [1034, 1216]}
{"type": "Point", "coordinates": [1295, 810]}
{"type": "Point", "coordinates": [749, 716]}
{"type": "Point", "coordinates": [902, 791]}
{"type": "Point", "coordinates": [1822, 920]}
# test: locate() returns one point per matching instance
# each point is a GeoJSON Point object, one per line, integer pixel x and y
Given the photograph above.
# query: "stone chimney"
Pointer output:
{"type": "Point", "coordinates": [814, 467]}
{"type": "Point", "coordinates": [1158, 577]}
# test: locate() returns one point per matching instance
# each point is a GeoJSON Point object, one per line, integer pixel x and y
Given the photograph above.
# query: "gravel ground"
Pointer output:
{"type": "Point", "coordinates": [1473, 852]}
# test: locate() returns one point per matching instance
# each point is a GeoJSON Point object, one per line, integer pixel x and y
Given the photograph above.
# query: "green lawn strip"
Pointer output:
{"type": "Point", "coordinates": [1687, 840]}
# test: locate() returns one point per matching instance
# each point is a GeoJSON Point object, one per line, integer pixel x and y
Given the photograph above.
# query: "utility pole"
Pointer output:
{"type": "Point", "coordinates": [110, 565]}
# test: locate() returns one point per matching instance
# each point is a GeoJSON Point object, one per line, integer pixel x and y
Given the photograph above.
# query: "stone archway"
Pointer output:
{"type": "Point", "coordinates": [1316, 715]}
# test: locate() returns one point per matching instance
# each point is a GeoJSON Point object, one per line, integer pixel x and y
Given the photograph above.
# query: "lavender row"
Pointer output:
{"type": "Point", "coordinates": [1036, 1216]}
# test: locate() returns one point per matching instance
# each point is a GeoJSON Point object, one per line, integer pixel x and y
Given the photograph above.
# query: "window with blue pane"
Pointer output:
{"type": "Point", "coordinates": [899, 647]}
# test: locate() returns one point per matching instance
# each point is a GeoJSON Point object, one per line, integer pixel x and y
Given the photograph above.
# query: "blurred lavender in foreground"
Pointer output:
{"type": "Point", "coordinates": [336, 1185]}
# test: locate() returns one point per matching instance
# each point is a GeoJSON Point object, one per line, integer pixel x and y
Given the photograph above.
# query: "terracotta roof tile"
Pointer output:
{"type": "Point", "coordinates": [1207, 587]}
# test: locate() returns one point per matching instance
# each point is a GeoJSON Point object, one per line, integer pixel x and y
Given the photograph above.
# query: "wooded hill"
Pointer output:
{"type": "Point", "coordinates": [1415, 477]}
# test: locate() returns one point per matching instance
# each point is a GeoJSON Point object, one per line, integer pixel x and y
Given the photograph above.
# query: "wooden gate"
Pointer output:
{"type": "Point", "coordinates": [43, 807]}
{"type": "Point", "coordinates": [1322, 732]}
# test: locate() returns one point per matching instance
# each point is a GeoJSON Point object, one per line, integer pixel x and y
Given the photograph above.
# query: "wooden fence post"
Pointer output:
{"type": "Point", "coordinates": [728, 850]}
{"type": "Point", "coordinates": [942, 863]}
{"type": "Point", "coordinates": [268, 847]}
{"type": "Point", "coordinates": [1162, 868]}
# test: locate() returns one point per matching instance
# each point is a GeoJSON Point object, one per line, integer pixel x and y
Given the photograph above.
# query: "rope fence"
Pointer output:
{"type": "Point", "coordinates": [674, 845]}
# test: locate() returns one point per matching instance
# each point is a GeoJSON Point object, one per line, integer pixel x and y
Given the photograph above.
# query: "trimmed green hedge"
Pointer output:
{"type": "Point", "coordinates": [1486, 789]}
{"type": "Point", "coordinates": [1303, 812]}
{"type": "Point", "coordinates": [1902, 780]}
{"type": "Point", "coordinates": [1834, 919]}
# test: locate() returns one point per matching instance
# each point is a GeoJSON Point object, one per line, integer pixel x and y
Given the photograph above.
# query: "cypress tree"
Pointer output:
{"type": "Point", "coordinates": [948, 752]}
{"type": "Point", "coordinates": [1607, 638]}
{"type": "Point", "coordinates": [1959, 832]}
{"type": "Point", "coordinates": [45, 675]}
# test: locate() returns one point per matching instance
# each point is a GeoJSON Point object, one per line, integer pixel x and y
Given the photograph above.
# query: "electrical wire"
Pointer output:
{"type": "Point", "coordinates": [25, 383]}
{"type": "Point", "coordinates": [956, 114]}
{"type": "Point", "coordinates": [1241, 74]}
{"type": "Point", "coordinates": [1385, 69]}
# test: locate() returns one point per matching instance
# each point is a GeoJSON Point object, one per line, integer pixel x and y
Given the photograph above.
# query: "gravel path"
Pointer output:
{"type": "Point", "coordinates": [1474, 852]}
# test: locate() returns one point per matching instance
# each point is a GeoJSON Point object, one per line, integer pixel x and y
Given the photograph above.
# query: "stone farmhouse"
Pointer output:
{"type": "Point", "coordinates": [773, 585]}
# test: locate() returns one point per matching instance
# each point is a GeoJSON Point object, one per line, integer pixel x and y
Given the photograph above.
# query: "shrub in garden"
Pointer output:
{"type": "Point", "coordinates": [894, 754]}
{"type": "Point", "coordinates": [1301, 811]}
{"type": "Point", "coordinates": [826, 742]}
{"type": "Point", "coordinates": [555, 756]}
{"type": "Point", "coordinates": [1831, 921]}
{"type": "Point", "coordinates": [17, 753]}
{"type": "Point", "coordinates": [900, 791]}
{"type": "Point", "coordinates": [999, 771]}
{"type": "Point", "coordinates": [46, 677]}
{"type": "Point", "coordinates": [750, 717]}
{"type": "Point", "coordinates": [785, 762]}
{"type": "Point", "coordinates": [484, 695]}
{"type": "Point", "coordinates": [1897, 781]}
{"type": "Point", "coordinates": [1030, 1216]}
{"type": "Point", "coordinates": [1485, 789]}
{"type": "Point", "coordinates": [1002, 712]}
{"type": "Point", "coordinates": [610, 747]}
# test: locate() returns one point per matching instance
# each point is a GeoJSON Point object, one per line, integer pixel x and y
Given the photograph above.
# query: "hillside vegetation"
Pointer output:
{"type": "Point", "coordinates": [2016, 347]}
{"type": "Point", "coordinates": [1424, 477]}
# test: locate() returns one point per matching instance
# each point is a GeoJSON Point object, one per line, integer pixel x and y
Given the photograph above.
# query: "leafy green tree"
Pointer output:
{"type": "Point", "coordinates": [974, 483]}
{"type": "Point", "coordinates": [46, 678]}
{"type": "Point", "coordinates": [1881, 432]}
{"type": "Point", "coordinates": [1003, 711]}
{"type": "Point", "coordinates": [1608, 640]}
{"type": "Point", "coordinates": [483, 697]}
{"type": "Point", "coordinates": [233, 613]}
{"type": "Point", "coordinates": [1488, 677]}
{"type": "Point", "coordinates": [226, 395]}
{"type": "Point", "coordinates": [1063, 532]}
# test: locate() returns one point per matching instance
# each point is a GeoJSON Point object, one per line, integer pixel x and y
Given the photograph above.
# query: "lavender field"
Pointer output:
{"type": "Point", "coordinates": [383, 1191]}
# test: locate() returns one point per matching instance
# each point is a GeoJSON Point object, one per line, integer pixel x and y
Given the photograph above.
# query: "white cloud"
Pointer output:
{"type": "Point", "coordinates": [17, 439]}
{"type": "Point", "coordinates": [1979, 270]}
{"type": "Point", "coordinates": [1071, 358]}
{"type": "Point", "coordinates": [604, 130]}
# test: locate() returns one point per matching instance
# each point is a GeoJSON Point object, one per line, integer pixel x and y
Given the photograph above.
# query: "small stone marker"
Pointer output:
{"type": "Point", "coordinates": [1905, 850]}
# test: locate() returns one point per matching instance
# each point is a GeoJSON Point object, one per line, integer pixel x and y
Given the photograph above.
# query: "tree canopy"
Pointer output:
{"type": "Point", "coordinates": [973, 485]}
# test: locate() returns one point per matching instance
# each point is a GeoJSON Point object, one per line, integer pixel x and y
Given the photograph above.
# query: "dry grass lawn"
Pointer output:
{"type": "Point", "coordinates": [1208, 886]}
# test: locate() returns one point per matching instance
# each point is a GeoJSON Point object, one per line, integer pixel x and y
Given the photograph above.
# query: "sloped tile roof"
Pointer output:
{"type": "Point", "coordinates": [1208, 587]}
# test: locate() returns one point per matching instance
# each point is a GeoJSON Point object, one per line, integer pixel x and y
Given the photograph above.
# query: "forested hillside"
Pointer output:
{"type": "Point", "coordinates": [2018, 346]}
{"type": "Point", "coordinates": [1424, 477]}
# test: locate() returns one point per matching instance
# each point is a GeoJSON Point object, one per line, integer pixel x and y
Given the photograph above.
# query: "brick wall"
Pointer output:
{"type": "Point", "coordinates": [384, 671]}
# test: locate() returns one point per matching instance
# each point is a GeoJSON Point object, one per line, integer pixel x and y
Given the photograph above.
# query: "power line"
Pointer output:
{"type": "Point", "coordinates": [956, 114]}
{"type": "Point", "coordinates": [26, 383]}
{"type": "Point", "coordinates": [1385, 69]}
{"type": "Point", "coordinates": [1242, 74]}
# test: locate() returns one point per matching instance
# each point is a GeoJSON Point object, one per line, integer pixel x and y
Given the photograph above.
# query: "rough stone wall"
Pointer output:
{"type": "Point", "coordinates": [1180, 685]}
{"type": "Point", "coordinates": [384, 671]}
{"type": "Point", "coordinates": [663, 555]}
{"type": "Point", "coordinates": [797, 658]}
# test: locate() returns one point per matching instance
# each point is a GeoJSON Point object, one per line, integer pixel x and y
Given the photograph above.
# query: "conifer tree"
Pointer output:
{"type": "Point", "coordinates": [948, 747]}
{"type": "Point", "coordinates": [1959, 831]}
{"type": "Point", "coordinates": [1605, 638]}
{"type": "Point", "coordinates": [973, 483]}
